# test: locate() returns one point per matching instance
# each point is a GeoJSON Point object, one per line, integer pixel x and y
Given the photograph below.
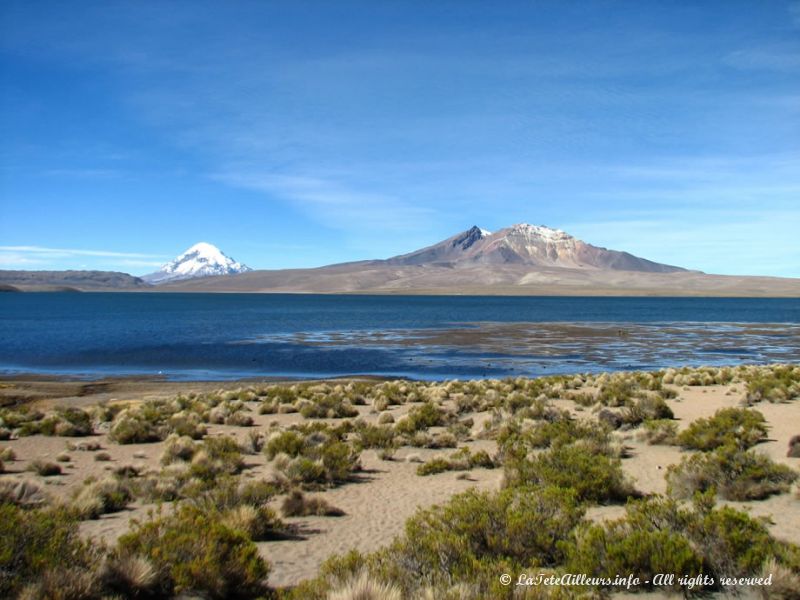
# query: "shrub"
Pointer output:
{"type": "Point", "coordinates": [290, 443]}
{"type": "Point", "coordinates": [734, 473]}
{"type": "Point", "coordinates": [328, 407]}
{"type": "Point", "coordinates": [129, 575]}
{"type": "Point", "coordinates": [794, 447]}
{"type": "Point", "coordinates": [35, 542]}
{"type": "Point", "coordinates": [458, 461]}
{"type": "Point", "coordinates": [364, 587]}
{"type": "Point", "coordinates": [25, 493]}
{"type": "Point", "coordinates": [419, 418]}
{"type": "Point", "coordinates": [45, 468]}
{"type": "Point", "coordinates": [339, 461]}
{"type": "Point", "coordinates": [303, 470]}
{"type": "Point", "coordinates": [658, 535]}
{"type": "Point", "coordinates": [254, 442]}
{"type": "Point", "coordinates": [519, 524]}
{"type": "Point", "coordinates": [101, 497]}
{"type": "Point", "coordinates": [647, 407]}
{"type": "Point", "coordinates": [775, 384]}
{"type": "Point", "coordinates": [102, 457]}
{"type": "Point", "coordinates": [617, 547]}
{"type": "Point", "coordinates": [216, 456]}
{"type": "Point", "coordinates": [298, 505]}
{"type": "Point", "coordinates": [729, 426]}
{"type": "Point", "coordinates": [374, 436]}
{"type": "Point", "coordinates": [593, 477]}
{"type": "Point", "coordinates": [319, 455]}
{"type": "Point", "coordinates": [187, 424]}
{"type": "Point", "coordinates": [178, 448]}
{"type": "Point", "coordinates": [434, 466]}
{"type": "Point", "coordinates": [259, 523]}
{"type": "Point", "coordinates": [194, 552]}
{"type": "Point", "coordinates": [130, 429]}
{"type": "Point", "coordinates": [660, 431]}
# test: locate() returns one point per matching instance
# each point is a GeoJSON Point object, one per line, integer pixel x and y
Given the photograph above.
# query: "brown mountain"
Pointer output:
{"type": "Point", "coordinates": [530, 245]}
{"type": "Point", "coordinates": [46, 281]}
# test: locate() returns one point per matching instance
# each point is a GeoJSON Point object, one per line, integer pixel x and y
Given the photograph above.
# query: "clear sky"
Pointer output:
{"type": "Point", "coordinates": [297, 133]}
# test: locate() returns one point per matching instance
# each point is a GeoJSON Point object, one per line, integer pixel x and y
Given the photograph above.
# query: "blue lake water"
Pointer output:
{"type": "Point", "coordinates": [221, 336]}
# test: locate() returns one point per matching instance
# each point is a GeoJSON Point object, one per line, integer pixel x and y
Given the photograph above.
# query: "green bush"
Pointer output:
{"type": "Point", "coordinates": [462, 460]}
{"type": "Point", "coordinates": [129, 429]}
{"type": "Point", "coordinates": [419, 418]}
{"type": "Point", "coordinates": [434, 466]}
{"type": "Point", "coordinates": [375, 436]}
{"type": "Point", "coordinates": [647, 407]}
{"type": "Point", "coordinates": [734, 473]}
{"type": "Point", "coordinates": [330, 406]}
{"type": "Point", "coordinates": [100, 497]}
{"type": "Point", "coordinates": [729, 426]}
{"type": "Point", "coordinates": [195, 553]}
{"type": "Point", "coordinates": [776, 384]}
{"type": "Point", "coordinates": [216, 456]}
{"type": "Point", "coordinates": [339, 461]}
{"type": "Point", "coordinates": [594, 477]}
{"type": "Point", "coordinates": [305, 471]}
{"type": "Point", "coordinates": [617, 547]}
{"type": "Point", "coordinates": [658, 535]}
{"type": "Point", "coordinates": [296, 504]}
{"type": "Point", "coordinates": [660, 431]}
{"type": "Point", "coordinates": [33, 542]}
{"type": "Point", "coordinates": [523, 525]}
{"type": "Point", "coordinates": [318, 454]}
{"type": "Point", "coordinates": [290, 442]}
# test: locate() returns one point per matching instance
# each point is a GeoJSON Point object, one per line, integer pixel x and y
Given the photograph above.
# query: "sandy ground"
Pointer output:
{"type": "Point", "coordinates": [387, 492]}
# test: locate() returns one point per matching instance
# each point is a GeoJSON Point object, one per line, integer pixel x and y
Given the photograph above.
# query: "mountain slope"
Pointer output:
{"type": "Point", "coordinates": [71, 280]}
{"type": "Point", "coordinates": [532, 245]}
{"type": "Point", "coordinates": [201, 260]}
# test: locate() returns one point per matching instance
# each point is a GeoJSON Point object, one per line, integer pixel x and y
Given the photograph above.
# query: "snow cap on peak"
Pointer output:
{"type": "Point", "coordinates": [542, 231]}
{"type": "Point", "coordinates": [205, 250]}
{"type": "Point", "coordinates": [201, 260]}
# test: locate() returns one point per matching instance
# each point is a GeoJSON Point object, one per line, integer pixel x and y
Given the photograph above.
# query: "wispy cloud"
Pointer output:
{"type": "Point", "coordinates": [44, 252]}
{"type": "Point", "coordinates": [333, 203]}
{"type": "Point", "coordinates": [774, 58]}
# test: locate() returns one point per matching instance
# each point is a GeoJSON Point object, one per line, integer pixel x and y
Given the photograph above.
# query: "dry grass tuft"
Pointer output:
{"type": "Point", "coordinates": [297, 504]}
{"type": "Point", "coordinates": [23, 493]}
{"type": "Point", "coordinates": [44, 468]}
{"type": "Point", "coordinates": [363, 587]}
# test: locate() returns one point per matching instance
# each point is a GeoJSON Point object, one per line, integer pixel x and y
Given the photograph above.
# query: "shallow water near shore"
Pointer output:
{"type": "Point", "coordinates": [228, 336]}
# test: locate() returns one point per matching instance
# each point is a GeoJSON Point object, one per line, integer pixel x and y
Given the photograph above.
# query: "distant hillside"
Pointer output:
{"type": "Point", "coordinates": [41, 281]}
{"type": "Point", "coordinates": [519, 260]}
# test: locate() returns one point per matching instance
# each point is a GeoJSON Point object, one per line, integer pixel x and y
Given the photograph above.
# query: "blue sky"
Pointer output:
{"type": "Point", "coordinates": [295, 134]}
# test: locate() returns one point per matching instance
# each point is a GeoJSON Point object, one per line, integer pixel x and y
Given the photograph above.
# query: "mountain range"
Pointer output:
{"type": "Point", "coordinates": [519, 260]}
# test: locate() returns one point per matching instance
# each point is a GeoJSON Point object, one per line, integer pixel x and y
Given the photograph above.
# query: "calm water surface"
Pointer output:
{"type": "Point", "coordinates": [219, 336]}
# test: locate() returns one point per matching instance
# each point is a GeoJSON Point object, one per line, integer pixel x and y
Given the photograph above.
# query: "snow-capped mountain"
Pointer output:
{"type": "Point", "coordinates": [201, 260]}
{"type": "Point", "coordinates": [524, 244]}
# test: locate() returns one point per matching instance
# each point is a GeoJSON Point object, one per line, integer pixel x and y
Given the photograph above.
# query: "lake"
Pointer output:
{"type": "Point", "coordinates": [225, 336]}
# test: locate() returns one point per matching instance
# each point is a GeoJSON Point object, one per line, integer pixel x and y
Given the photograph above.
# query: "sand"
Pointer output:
{"type": "Point", "coordinates": [386, 493]}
